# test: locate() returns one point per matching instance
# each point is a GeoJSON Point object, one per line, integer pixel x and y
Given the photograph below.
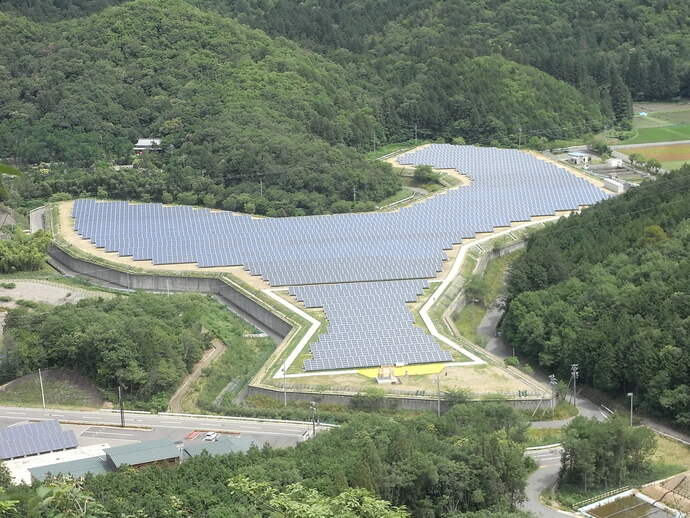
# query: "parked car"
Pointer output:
{"type": "Point", "coordinates": [211, 436]}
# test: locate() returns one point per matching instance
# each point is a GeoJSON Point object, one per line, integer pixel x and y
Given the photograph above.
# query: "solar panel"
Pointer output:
{"type": "Point", "coordinates": [34, 438]}
{"type": "Point", "coordinates": [506, 185]}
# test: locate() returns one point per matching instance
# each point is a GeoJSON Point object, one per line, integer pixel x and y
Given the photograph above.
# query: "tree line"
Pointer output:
{"type": "Point", "coordinates": [607, 289]}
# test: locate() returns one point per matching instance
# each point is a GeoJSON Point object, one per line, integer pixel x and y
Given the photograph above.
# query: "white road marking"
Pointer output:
{"type": "Point", "coordinates": [109, 433]}
{"type": "Point", "coordinates": [170, 422]}
{"type": "Point", "coordinates": [16, 413]}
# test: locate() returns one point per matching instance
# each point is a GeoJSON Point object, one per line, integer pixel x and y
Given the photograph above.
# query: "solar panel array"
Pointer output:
{"type": "Point", "coordinates": [34, 438]}
{"type": "Point", "coordinates": [374, 313]}
{"type": "Point", "coordinates": [507, 185]}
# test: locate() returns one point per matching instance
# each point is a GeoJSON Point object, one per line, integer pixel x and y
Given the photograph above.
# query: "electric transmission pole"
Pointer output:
{"type": "Point", "coordinates": [553, 382]}
{"type": "Point", "coordinates": [574, 374]}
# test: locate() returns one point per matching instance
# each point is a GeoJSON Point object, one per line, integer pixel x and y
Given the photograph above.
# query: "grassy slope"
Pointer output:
{"type": "Point", "coordinates": [467, 320]}
{"type": "Point", "coordinates": [243, 357]}
{"type": "Point", "coordinates": [62, 389]}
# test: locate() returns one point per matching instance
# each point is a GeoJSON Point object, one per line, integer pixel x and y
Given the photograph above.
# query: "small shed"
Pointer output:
{"type": "Point", "coordinates": [579, 158]}
{"type": "Point", "coordinates": [144, 145]}
{"type": "Point", "coordinates": [614, 162]}
{"type": "Point", "coordinates": [614, 186]}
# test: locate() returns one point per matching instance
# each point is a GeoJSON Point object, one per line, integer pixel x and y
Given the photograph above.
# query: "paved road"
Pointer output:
{"type": "Point", "coordinates": [651, 144]}
{"type": "Point", "coordinates": [36, 219]}
{"type": "Point", "coordinates": [545, 477]}
{"type": "Point", "coordinates": [156, 426]}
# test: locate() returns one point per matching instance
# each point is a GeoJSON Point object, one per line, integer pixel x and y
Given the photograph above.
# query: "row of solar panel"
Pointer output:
{"type": "Point", "coordinates": [369, 323]}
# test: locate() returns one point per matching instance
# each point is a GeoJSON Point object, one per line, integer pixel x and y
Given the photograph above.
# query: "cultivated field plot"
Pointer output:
{"type": "Point", "coordinates": [361, 250]}
{"type": "Point", "coordinates": [664, 122]}
{"type": "Point", "coordinates": [671, 156]}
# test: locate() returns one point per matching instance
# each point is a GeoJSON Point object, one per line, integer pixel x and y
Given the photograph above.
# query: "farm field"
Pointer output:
{"type": "Point", "coordinates": [664, 122]}
{"type": "Point", "coordinates": [671, 156]}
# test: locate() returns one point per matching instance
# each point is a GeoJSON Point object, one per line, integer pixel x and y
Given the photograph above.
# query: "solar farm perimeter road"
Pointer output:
{"type": "Point", "coordinates": [274, 432]}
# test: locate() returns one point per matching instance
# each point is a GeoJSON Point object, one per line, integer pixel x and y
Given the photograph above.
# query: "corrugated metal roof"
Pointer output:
{"type": "Point", "coordinates": [143, 452]}
{"type": "Point", "coordinates": [34, 438]}
{"type": "Point", "coordinates": [219, 447]}
{"type": "Point", "coordinates": [74, 468]}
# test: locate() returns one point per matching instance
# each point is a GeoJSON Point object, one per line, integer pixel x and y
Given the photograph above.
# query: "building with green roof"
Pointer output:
{"type": "Point", "coordinates": [73, 468]}
{"type": "Point", "coordinates": [160, 451]}
{"type": "Point", "coordinates": [219, 447]}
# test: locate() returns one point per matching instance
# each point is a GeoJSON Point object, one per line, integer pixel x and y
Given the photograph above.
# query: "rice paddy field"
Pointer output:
{"type": "Point", "coordinates": [671, 156]}
{"type": "Point", "coordinates": [663, 122]}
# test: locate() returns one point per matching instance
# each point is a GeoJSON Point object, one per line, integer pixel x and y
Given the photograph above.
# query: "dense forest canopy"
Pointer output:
{"type": "Point", "coordinates": [266, 107]}
{"type": "Point", "coordinates": [232, 106]}
{"type": "Point", "coordinates": [608, 289]}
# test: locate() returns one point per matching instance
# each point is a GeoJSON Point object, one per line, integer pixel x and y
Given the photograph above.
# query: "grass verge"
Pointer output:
{"type": "Point", "coordinates": [542, 436]}
{"type": "Point", "coordinates": [62, 389]}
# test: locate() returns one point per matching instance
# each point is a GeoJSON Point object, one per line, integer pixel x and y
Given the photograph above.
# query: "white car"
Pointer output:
{"type": "Point", "coordinates": [211, 436]}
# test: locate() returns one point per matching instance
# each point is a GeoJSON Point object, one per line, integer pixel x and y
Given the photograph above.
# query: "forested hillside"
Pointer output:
{"type": "Point", "coordinates": [276, 124]}
{"type": "Point", "coordinates": [607, 48]}
{"type": "Point", "coordinates": [232, 106]}
{"type": "Point", "coordinates": [144, 342]}
{"type": "Point", "coordinates": [608, 289]}
{"type": "Point", "coordinates": [248, 122]}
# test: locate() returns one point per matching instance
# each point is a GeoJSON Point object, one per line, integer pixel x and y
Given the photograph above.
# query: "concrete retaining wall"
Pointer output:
{"type": "Point", "coordinates": [247, 308]}
{"type": "Point", "coordinates": [403, 403]}
{"type": "Point", "coordinates": [238, 302]}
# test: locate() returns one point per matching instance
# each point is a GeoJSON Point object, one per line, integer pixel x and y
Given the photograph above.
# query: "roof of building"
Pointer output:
{"type": "Point", "coordinates": [143, 452]}
{"type": "Point", "coordinates": [148, 142]}
{"type": "Point", "coordinates": [34, 438]}
{"type": "Point", "coordinates": [74, 468]}
{"type": "Point", "coordinates": [219, 447]}
{"type": "Point", "coordinates": [578, 153]}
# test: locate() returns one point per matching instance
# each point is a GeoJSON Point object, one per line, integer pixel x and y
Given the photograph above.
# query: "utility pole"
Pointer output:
{"type": "Point", "coordinates": [630, 395]}
{"type": "Point", "coordinates": [415, 132]}
{"type": "Point", "coordinates": [313, 418]}
{"type": "Point", "coordinates": [261, 186]}
{"type": "Point", "coordinates": [438, 396]}
{"type": "Point", "coordinates": [553, 382]}
{"type": "Point", "coordinates": [520, 135]}
{"type": "Point", "coordinates": [354, 193]}
{"type": "Point", "coordinates": [574, 374]}
{"type": "Point", "coordinates": [122, 408]}
{"type": "Point", "coordinates": [284, 389]}
{"type": "Point", "coordinates": [43, 395]}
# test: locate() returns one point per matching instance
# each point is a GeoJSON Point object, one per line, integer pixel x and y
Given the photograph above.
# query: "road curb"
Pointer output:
{"type": "Point", "coordinates": [254, 419]}
{"type": "Point", "coordinates": [544, 447]}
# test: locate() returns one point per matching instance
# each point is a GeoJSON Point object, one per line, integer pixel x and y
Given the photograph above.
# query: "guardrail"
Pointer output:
{"type": "Point", "coordinates": [607, 494]}
{"type": "Point", "coordinates": [253, 419]}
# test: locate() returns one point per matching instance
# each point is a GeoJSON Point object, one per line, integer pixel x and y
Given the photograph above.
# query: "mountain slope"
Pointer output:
{"type": "Point", "coordinates": [608, 290]}
{"type": "Point", "coordinates": [230, 103]}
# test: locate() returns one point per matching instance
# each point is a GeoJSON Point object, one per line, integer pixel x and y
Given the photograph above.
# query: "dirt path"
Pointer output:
{"type": "Point", "coordinates": [217, 348]}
